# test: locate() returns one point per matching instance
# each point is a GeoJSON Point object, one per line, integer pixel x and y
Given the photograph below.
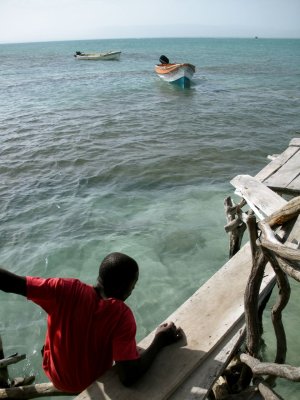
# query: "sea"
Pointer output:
{"type": "Point", "coordinates": [103, 156]}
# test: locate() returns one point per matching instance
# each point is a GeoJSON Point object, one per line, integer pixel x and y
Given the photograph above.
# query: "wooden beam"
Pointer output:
{"type": "Point", "coordinates": [32, 391]}
{"type": "Point", "coordinates": [277, 163]}
{"type": "Point", "coordinates": [263, 200]}
{"type": "Point", "coordinates": [201, 381]}
{"type": "Point", "coordinates": [286, 174]}
{"type": "Point", "coordinates": [295, 142]}
{"type": "Point", "coordinates": [4, 378]}
{"type": "Point", "coordinates": [11, 360]}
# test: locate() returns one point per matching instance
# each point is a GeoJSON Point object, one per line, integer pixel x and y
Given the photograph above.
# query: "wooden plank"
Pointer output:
{"type": "Point", "coordinates": [255, 192]}
{"type": "Point", "coordinates": [286, 174]}
{"type": "Point", "coordinates": [293, 187]}
{"type": "Point", "coordinates": [206, 318]}
{"type": "Point", "coordinates": [276, 164]}
{"type": "Point", "coordinates": [295, 233]}
{"type": "Point", "coordinates": [295, 142]}
{"type": "Point", "coordinates": [201, 381]}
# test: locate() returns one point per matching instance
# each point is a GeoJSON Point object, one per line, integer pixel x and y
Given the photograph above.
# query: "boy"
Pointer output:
{"type": "Point", "coordinates": [90, 327]}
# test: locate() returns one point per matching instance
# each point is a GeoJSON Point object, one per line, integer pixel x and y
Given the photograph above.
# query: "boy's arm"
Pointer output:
{"type": "Point", "coordinates": [130, 371]}
{"type": "Point", "coordinates": [12, 283]}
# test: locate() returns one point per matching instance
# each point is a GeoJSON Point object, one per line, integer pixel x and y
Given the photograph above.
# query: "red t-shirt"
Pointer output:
{"type": "Point", "coordinates": [84, 332]}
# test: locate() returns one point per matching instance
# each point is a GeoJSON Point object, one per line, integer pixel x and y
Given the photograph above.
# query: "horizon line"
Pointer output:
{"type": "Point", "coordinates": [152, 37]}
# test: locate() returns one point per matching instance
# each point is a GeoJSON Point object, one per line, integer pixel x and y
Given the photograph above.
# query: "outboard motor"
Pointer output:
{"type": "Point", "coordinates": [164, 60]}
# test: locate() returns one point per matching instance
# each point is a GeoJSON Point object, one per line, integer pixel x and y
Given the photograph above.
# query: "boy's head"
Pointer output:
{"type": "Point", "coordinates": [118, 274]}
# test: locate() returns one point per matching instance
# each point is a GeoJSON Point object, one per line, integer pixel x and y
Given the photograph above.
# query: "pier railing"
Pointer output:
{"type": "Point", "coordinates": [273, 240]}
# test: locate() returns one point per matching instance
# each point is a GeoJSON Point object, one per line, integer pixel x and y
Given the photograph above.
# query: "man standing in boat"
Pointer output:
{"type": "Point", "coordinates": [90, 327]}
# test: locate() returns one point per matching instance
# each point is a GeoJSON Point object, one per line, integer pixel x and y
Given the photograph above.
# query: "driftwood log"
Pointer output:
{"type": "Point", "coordinates": [281, 371]}
{"type": "Point", "coordinates": [288, 212]}
{"type": "Point", "coordinates": [270, 246]}
{"type": "Point", "coordinates": [22, 387]}
{"type": "Point", "coordinates": [32, 391]}
{"type": "Point", "coordinates": [4, 362]}
{"type": "Point", "coordinates": [235, 224]}
{"type": "Point", "coordinates": [284, 259]}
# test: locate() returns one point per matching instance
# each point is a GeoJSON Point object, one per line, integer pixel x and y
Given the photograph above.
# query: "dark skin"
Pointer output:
{"type": "Point", "coordinates": [12, 283]}
{"type": "Point", "coordinates": [128, 371]}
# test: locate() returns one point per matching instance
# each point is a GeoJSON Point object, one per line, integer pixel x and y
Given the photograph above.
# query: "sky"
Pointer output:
{"type": "Point", "coordinates": [51, 20]}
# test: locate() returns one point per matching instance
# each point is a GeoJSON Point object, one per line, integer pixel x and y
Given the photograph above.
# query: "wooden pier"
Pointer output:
{"type": "Point", "coordinates": [213, 317]}
{"type": "Point", "coordinates": [283, 174]}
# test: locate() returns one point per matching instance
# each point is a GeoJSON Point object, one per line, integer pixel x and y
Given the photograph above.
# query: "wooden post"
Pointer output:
{"type": "Point", "coordinates": [235, 225]}
{"type": "Point", "coordinates": [284, 259]}
{"type": "Point", "coordinates": [4, 379]}
{"type": "Point", "coordinates": [283, 298]}
{"type": "Point", "coordinates": [251, 298]}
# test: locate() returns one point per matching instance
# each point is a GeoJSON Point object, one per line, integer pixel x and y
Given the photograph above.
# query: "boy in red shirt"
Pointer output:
{"type": "Point", "coordinates": [90, 327]}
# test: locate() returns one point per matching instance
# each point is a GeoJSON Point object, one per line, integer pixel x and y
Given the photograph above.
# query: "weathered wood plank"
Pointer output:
{"type": "Point", "coordinates": [295, 233]}
{"type": "Point", "coordinates": [295, 142]}
{"type": "Point", "coordinates": [286, 174]}
{"type": "Point", "coordinates": [200, 382]}
{"type": "Point", "coordinates": [293, 187]}
{"type": "Point", "coordinates": [256, 193]}
{"type": "Point", "coordinates": [276, 164]}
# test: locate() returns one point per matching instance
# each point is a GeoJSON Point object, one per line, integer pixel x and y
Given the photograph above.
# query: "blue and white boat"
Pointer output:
{"type": "Point", "coordinates": [179, 73]}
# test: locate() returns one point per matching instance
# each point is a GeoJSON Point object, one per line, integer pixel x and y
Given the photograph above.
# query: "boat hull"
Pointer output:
{"type": "Point", "coordinates": [112, 55]}
{"type": "Point", "coordinates": [179, 74]}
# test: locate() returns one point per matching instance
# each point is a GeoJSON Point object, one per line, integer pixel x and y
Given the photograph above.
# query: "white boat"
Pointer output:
{"type": "Point", "coordinates": [179, 73]}
{"type": "Point", "coordinates": [109, 55]}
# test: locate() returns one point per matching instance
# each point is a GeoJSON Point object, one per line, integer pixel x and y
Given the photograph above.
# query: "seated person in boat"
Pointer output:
{"type": "Point", "coordinates": [90, 327]}
{"type": "Point", "coordinates": [164, 60]}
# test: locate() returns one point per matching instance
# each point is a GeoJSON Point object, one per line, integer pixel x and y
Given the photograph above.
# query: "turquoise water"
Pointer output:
{"type": "Point", "coordinates": [104, 156]}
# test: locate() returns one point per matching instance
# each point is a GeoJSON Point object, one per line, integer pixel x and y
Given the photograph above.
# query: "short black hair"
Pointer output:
{"type": "Point", "coordinates": [116, 273]}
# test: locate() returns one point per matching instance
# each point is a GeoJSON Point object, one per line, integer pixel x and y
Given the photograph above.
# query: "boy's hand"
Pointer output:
{"type": "Point", "coordinates": [168, 333]}
{"type": "Point", "coordinates": [129, 371]}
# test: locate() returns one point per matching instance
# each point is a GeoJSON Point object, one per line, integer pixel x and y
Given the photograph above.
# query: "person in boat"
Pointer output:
{"type": "Point", "coordinates": [164, 60]}
{"type": "Point", "coordinates": [90, 327]}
